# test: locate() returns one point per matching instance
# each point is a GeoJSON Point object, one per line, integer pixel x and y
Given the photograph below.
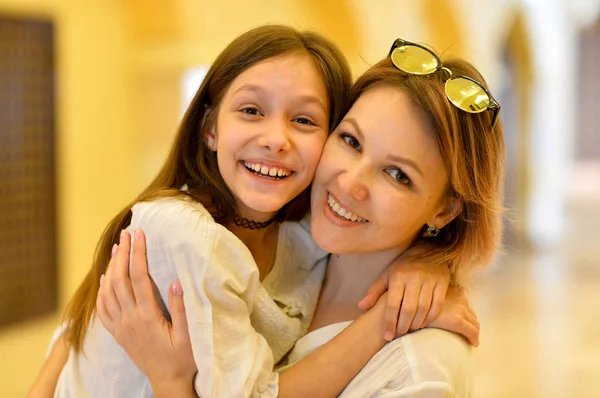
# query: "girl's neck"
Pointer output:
{"type": "Point", "coordinates": [262, 244]}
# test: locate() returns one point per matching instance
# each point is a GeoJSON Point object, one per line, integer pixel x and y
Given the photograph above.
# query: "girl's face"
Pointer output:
{"type": "Point", "coordinates": [381, 177]}
{"type": "Point", "coordinates": [270, 131]}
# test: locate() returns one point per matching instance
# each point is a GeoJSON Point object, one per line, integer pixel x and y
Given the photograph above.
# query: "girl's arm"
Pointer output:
{"type": "Point", "coordinates": [417, 291]}
{"type": "Point", "coordinates": [146, 336]}
{"type": "Point", "coordinates": [128, 310]}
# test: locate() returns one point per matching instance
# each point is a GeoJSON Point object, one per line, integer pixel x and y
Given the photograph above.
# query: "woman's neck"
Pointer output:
{"type": "Point", "coordinates": [347, 280]}
{"type": "Point", "coordinates": [349, 276]}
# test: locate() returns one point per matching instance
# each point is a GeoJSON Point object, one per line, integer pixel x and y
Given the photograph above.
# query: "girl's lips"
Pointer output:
{"type": "Point", "coordinates": [264, 178]}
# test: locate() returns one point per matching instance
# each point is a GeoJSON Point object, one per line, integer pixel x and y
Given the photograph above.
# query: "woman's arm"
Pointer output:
{"type": "Point", "coordinates": [45, 384]}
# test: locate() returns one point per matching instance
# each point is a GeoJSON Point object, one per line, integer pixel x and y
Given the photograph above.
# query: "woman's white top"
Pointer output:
{"type": "Point", "coordinates": [429, 363]}
{"type": "Point", "coordinates": [239, 327]}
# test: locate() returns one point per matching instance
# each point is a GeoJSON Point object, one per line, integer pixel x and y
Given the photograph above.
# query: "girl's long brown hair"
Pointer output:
{"type": "Point", "coordinates": [191, 162]}
{"type": "Point", "coordinates": [474, 159]}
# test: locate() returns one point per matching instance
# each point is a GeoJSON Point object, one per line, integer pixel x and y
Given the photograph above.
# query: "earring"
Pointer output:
{"type": "Point", "coordinates": [432, 231]}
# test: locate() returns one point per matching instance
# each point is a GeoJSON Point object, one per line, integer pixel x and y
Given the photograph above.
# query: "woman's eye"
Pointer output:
{"type": "Point", "coordinates": [251, 111]}
{"type": "Point", "coordinates": [351, 141]}
{"type": "Point", "coordinates": [303, 120]}
{"type": "Point", "coordinates": [399, 176]}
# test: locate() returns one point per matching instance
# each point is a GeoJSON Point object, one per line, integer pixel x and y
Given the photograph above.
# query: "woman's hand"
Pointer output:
{"type": "Point", "coordinates": [417, 291]}
{"type": "Point", "coordinates": [129, 311]}
{"type": "Point", "coordinates": [457, 316]}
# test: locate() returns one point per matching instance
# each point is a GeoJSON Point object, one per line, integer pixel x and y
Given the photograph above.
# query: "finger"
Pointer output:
{"type": "Point", "coordinates": [108, 296]}
{"type": "Point", "coordinates": [472, 318]}
{"type": "Point", "coordinates": [471, 332]}
{"type": "Point", "coordinates": [142, 284]}
{"type": "Point", "coordinates": [375, 291]}
{"type": "Point", "coordinates": [103, 314]}
{"type": "Point", "coordinates": [439, 296]}
{"type": "Point", "coordinates": [120, 275]}
{"type": "Point", "coordinates": [409, 308]}
{"type": "Point", "coordinates": [178, 318]}
{"type": "Point", "coordinates": [424, 304]}
{"type": "Point", "coordinates": [394, 300]}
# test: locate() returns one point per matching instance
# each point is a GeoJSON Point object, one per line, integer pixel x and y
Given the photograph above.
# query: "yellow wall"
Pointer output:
{"type": "Point", "coordinates": [119, 71]}
{"type": "Point", "coordinates": [94, 142]}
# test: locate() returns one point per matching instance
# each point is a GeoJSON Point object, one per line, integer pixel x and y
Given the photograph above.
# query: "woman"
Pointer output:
{"type": "Point", "coordinates": [418, 156]}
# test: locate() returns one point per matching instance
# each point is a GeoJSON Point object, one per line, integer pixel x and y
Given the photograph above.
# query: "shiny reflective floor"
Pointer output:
{"type": "Point", "coordinates": [540, 316]}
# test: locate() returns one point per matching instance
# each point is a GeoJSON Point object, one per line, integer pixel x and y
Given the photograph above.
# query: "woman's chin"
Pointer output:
{"type": "Point", "coordinates": [327, 241]}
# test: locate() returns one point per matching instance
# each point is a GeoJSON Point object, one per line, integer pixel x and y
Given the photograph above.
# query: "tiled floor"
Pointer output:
{"type": "Point", "coordinates": [540, 317]}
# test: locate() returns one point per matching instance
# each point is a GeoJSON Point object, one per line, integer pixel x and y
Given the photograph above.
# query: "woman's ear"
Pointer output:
{"type": "Point", "coordinates": [452, 209]}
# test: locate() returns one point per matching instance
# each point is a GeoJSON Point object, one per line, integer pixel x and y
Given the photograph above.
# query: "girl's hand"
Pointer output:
{"type": "Point", "coordinates": [457, 316]}
{"type": "Point", "coordinates": [416, 293]}
{"type": "Point", "coordinates": [129, 311]}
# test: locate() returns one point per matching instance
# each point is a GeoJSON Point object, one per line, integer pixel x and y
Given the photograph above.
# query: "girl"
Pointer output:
{"type": "Point", "coordinates": [244, 157]}
{"type": "Point", "coordinates": [416, 157]}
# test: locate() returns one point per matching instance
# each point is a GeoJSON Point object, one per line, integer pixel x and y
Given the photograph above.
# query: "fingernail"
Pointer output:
{"type": "Point", "coordinates": [115, 248]}
{"type": "Point", "coordinates": [122, 236]}
{"type": "Point", "coordinates": [388, 336]}
{"type": "Point", "coordinates": [101, 279]}
{"type": "Point", "coordinates": [177, 289]}
{"type": "Point", "coordinates": [136, 235]}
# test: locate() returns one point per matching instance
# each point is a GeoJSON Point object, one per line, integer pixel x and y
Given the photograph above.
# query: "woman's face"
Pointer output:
{"type": "Point", "coordinates": [271, 127]}
{"type": "Point", "coordinates": [381, 177]}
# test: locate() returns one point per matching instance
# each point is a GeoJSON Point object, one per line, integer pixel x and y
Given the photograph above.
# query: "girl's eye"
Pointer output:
{"type": "Point", "coordinates": [251, 111]}
{"type": "Point", "coordinates": [303, 120]}
{"type": "Point", "coordinates": [351, 141]}
{"type": "Point", "coordinates": [399, 176]}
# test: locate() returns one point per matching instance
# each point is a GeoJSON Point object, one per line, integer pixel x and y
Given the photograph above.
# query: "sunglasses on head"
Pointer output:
{"type": "Point", "coordinates": [463, 92]}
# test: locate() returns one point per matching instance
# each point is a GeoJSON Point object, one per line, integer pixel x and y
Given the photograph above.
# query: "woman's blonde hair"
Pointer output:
{"type": "Point", "coordinates": [474, 157]}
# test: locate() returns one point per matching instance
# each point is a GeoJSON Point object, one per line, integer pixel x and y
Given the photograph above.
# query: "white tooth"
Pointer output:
{"type": "Point", "coordinates": [264, 170]}
{"type": "Point", "coordinates": [342, 212]}
{"type": "Point", "coordinates": [335, 207]}
{"type": "Point", "coordinates": [273, 172]}
{"type": "Point", "coordinates": [256, 167]}
{"type": "Point", "coordinates": [354, 217]}
{"type": "Point", "coordinates": [348, 215]}
{"type": "Point", "coordinates": [279, 173]}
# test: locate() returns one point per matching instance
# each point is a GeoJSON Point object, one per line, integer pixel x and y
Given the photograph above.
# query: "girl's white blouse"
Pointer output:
{"type": "Point", "coordinates": [239, 327]}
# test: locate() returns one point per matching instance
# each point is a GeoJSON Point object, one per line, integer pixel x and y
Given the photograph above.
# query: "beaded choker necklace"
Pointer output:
{"type": "Point", "coordinates": [251, 224]}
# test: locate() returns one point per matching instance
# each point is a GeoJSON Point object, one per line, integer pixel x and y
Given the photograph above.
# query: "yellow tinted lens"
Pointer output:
{"type": "Point", "coordinates": [415, 60]}
{"type": "Point", "coordinates": [467, 95]}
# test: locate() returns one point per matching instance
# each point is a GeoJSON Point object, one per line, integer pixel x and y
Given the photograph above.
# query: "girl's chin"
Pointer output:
{"type": "Point", "coordinates": [263, 210]}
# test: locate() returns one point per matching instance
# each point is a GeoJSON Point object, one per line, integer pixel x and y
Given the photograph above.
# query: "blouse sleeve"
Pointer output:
{"type": "Point", "coordinates": [427, 389]}
{"type": "Point", "coordinates": [220, 280]}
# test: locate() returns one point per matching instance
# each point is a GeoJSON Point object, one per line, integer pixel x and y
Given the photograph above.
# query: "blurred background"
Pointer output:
{"type": "Point", "coordinates": [91, 93]}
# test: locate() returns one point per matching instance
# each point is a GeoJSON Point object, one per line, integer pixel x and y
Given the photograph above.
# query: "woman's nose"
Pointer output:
{"type": "Point", "coordinates": [353, 183]}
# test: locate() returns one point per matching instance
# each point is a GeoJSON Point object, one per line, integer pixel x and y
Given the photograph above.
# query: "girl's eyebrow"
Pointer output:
{"type": "Point", "coordinates": [250, 87]}
{"type": "Point", "coordinates": [306, 98]}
